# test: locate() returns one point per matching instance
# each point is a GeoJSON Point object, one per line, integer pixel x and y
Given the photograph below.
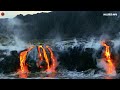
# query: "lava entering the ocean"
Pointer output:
{"type": "Point", "coordinates": [54, 61]}
{"type": "Point", "coordinates": [110, 70]}
{"type": "Point", "coordinates": [42, 55]}
{"type": "Point", "coordinates": [23, 71]}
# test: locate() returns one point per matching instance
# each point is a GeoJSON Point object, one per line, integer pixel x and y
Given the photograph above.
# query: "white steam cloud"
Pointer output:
{"type": "Point", "coordinates": [13, 34]}
{"type": "Point", "coordinates": [103, 65]}
{"type": "Point", "coordinates": [92, 43]}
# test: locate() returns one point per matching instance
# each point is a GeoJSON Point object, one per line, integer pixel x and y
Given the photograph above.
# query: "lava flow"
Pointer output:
{"type": "Point", "coordinates": [54, 61]}
{"type": "Point", "coordinates": [42, 55]}
{"type": "Point", "coordinates": [40, 58]}
{"type": "Point", "coordinates": [110, 68]}
{"type": "Point", "coordinates": [50, 67]}
{"type": "Point", "coordinates": [45, 56]}
{"type": "Point", "coordinates": [23, 71]}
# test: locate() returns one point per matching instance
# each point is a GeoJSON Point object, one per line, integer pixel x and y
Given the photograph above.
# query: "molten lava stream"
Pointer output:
{"type": "Point", "coordinates": [110, 68]}
{"type": "Point", "coordinates": [54, 61]}
{"type": "Point", "coordinates": [40, 57]}
{"type": "Point", "coordinates": [23, 71]}
{"type": "Point", "coordinates": [50, 68]}
{"type": "Point", "coordinates": [45, 56]}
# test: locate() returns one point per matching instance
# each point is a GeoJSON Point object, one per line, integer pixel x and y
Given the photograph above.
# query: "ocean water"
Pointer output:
{"type": "Point", "coordinates": [65, 74]}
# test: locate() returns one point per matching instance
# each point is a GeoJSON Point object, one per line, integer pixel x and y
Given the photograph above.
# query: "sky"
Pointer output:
{"type": "Point", "coordinates": [12, 14]}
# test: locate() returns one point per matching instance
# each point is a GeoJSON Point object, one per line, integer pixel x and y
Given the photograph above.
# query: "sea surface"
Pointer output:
{"type": "Point", "coordinates": [65, 74]}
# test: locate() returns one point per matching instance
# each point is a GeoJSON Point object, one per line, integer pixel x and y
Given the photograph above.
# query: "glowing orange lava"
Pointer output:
{"type": "Point", "coordinates": [107, 54]}
{"type": "Point", "coordinates": [50, 67]}
{"type": "Point", "coordinates": [23, 72]}
{"type": "Point", "coordinates": [45, 56]}
{"type": "Point", "coordinates": [40, 57]}
{"type": "Point", "coordinates": [54, 60]}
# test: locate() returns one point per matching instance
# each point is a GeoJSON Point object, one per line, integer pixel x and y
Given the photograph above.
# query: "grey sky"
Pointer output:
{"type": "Point", "coordinates": [12, 14]}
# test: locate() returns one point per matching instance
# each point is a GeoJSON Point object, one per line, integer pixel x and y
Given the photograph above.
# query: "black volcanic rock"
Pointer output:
{"type": "Point", "coordinates": [77, 59]}
{"type": "Point", "coordinates": [10, 63]}
{"type": "Point", "coordinates": [3, 53]}
{"type": "Point", "coordinates": [68, 24]}
{"type": "Point", "coordinates": [32, 65]}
